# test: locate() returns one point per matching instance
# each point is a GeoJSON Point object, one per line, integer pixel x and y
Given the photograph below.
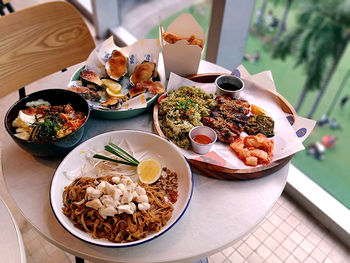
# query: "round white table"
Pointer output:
{"type": "Point", "coordinates": [220, 212]}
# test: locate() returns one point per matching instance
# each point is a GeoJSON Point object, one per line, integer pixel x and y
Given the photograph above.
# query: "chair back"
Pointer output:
{"type": "Point", "coordinates": [40, 40]}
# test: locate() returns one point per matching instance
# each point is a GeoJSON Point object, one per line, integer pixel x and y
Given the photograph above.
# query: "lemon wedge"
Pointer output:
{"type": "Point", "coordinates": [113, 94]}
{"type": "Point", "coordinates": [257, 110]}
{"type": "Point", "coordinates": [149, 170]}
{"type": "Point", "coordinates": [112, 88]}
{"type": "Point", "coordinates": [112, 85]}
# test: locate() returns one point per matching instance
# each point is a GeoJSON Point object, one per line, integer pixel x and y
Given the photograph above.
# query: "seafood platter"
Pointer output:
{"type": "Point", "coordinates": [254, 136]}
{"type": "Point", "coordinates": [120, 83]}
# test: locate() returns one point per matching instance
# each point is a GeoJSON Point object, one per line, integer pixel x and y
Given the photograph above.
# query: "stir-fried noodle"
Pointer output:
{"type": "Point", "coordinates": [119, 228]}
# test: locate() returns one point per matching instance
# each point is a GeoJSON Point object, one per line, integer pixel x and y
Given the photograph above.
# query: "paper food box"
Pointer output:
{"type": "Point", "coordinates": [182, 46]}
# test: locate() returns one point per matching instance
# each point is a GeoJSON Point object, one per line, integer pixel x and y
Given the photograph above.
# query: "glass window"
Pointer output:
{"type": "Point", "coordinates": [304, 44]}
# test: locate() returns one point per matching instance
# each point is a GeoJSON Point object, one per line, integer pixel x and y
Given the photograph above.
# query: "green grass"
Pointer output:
{"type": "Point", "coordinates": [203, 20]}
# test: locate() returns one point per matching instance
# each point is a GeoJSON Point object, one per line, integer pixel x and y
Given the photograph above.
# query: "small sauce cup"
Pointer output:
{"type": "Point", "coordinates": [207, 136]}
{"type": "Point", "coordinates": [229, 85]}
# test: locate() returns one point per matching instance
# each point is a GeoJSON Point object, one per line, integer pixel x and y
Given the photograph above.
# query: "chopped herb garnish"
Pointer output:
{"type": "Point", "coordinates": [46, 129]}
{"type": "Point", "coordinates": [185, 103]}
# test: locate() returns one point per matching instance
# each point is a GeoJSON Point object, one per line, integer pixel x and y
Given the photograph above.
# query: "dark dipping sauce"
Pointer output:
{"type": "Point", "coordinates": [202, 139]}
{"type": "Point", "coordinates": [229, 86]}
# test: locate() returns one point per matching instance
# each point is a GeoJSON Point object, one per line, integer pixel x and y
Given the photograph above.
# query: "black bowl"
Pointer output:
{"type": "Point", "coordinates": [58, 146]}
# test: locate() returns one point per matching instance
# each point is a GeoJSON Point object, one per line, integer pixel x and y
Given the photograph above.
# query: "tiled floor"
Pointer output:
{"type": "Point", "coordinates": [288, 234]}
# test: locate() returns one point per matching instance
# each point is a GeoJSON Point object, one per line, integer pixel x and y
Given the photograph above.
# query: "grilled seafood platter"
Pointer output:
{"type": "Point", "coordinates": [244, 127]}
{"type": "Point", "coordinates": [118, 85]}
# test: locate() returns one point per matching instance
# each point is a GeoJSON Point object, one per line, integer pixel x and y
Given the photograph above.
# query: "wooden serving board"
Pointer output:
{"type": "Point", "coordinates": [224, 173]}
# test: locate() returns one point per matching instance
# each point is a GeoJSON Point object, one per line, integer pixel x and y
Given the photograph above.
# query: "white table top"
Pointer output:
{"type": "Point", "coordinates": [220, 212]}
{"type": "Point", "coordinates": [11, 243]}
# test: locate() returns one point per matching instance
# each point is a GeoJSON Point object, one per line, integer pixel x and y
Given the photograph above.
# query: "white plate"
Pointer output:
{"type": "Point", "coordinates": [138, 140]}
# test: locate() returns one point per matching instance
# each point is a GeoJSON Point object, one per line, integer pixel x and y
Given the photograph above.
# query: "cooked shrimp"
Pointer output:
{"type": "Point", "coordinates": [263, 156]}
{"type": "Point", "coordinates": [238, 146]}
{"type": "Point", "coordinates": [253, 150]}
{"type": "Point", "coordinates": [251, 161]}
{"type": "Point", "coordinates": [259, 141]}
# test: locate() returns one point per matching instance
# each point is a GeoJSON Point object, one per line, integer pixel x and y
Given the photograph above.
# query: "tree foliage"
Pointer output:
{"type": "Point", "coordinates": [321, 27]}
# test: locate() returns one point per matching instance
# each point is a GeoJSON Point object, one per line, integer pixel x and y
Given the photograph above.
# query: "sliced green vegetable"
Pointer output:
{"type": "Point", "coordinates": [117, 151]}
{"type": "Point", "coordinates": [124, 152]}
{"type": "Point", "coordinates": [113, 151]}
{"type": "Point", "coordinates": [98, 156]}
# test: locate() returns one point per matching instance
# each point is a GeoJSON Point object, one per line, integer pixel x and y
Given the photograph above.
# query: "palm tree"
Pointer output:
{"type": "Point", "coordinates": [338, 24]}
{"type": "Point", "coordinates": [282, 24]}
{"type": "Point", "coordinates": [318, 37]}
{"type": "Point", "coordinates": [261, 13]}
{"type": "Point", "coordinates": [337, 94]}
{"type": "Point", "coordinates": [301, 43]}
{"type": "Point", "coordinates": [338, 54]}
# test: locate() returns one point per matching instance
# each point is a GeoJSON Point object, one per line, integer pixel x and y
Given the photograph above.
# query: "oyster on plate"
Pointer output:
{"type": "Point", "coordinates": [114, 103]}
{"type": "Point", "coordinates": [139, 88]}
{"type": "Point", "coordinates": [86, 93]}
{"type": "Point", "coordinates": [116, 65]}
{"type": "Point", "coordinates": [153, 88]}
{"type": "Point", "coordinates": [144, 72]}
{"type": "Point", "coordinates": [91, 79]}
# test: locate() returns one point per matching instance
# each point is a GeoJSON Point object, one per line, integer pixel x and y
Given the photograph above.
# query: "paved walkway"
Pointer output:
{"type": "Point", "coordinates": [145, 16]}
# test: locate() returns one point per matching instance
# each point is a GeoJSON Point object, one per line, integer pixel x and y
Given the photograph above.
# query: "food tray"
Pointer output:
{"type": "Point", "coordinates": [224, 173]}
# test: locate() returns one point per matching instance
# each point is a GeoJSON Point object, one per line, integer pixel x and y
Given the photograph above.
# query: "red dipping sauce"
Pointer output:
{"type": "Point", "coordinates": [202, 139]}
